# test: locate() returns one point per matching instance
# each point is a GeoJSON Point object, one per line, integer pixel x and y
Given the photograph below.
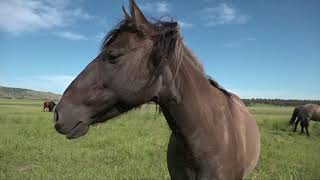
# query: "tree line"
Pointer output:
{"type": "Point", "coordinates": [279, 102]}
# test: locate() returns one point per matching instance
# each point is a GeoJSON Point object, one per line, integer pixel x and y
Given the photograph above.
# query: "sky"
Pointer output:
{"type": "Point", "coordinates": [256, 49]}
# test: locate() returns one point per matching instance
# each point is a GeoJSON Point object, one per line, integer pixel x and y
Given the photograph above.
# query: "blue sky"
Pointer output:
{"type": "Point", "coordinates": [268, 49]}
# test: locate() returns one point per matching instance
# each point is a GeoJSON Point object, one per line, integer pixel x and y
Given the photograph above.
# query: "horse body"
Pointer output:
{"type": "Point", "coordinates": [213, 128]}
{"type": "Point", "coordinates": [48, 106]}
{"type": "Point", "coordinates": [304, 114]}
{"type": "Point", "coordinates": [312, 111]}
{"type": "Point", "coordinates": [213, 134]}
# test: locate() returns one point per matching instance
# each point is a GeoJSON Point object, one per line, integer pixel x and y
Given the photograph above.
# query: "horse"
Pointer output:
{"type": "Point", "coordinates": [213, 135]}
{"type": "Point", "coordinates": [294, 117]}
{"type": "Point", "coordinates": [48, 106]}
{"type": "Point", "coordinates": [304, 114]}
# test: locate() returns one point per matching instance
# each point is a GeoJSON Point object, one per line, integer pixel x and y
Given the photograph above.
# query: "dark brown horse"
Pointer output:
{"type": "Point", "coordinates": [294, 117]}
{"type": "Point", "coordinates": [213, 134]}
{"type": "Point", "coordinates": [304, 114]}
{"type": "Point", "coordinates": [48, 106]}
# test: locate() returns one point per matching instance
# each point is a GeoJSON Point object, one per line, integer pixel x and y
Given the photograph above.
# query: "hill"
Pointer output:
{"type": "Point", "coordinates": [19, 93]}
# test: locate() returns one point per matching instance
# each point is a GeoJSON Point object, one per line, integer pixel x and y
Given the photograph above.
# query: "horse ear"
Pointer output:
{"type": "Point", "coordinates": [126, 15]}
{"type": "Point", "coordinates": [137, 15]}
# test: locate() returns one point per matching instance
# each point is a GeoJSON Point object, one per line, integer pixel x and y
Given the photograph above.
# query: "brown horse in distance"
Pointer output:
{"type": "Point", "coordinates": [213, 135]}
{"type": "Point", "coordinates": [294, 118]}
{"type": "Point", "coordinates": [304, 114]}
{"type": "Point", "coordinates": [48, 106]}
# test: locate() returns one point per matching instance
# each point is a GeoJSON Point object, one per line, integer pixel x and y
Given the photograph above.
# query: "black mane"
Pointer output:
{"type": "Point", "coordinates": [217, 85]}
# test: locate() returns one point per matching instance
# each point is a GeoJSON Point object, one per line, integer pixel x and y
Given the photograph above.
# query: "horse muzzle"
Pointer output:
{"type": "Point", "coordinates": [70, 124]}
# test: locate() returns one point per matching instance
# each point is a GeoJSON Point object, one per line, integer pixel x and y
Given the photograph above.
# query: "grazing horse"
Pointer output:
{"type": "Point", "coordinates": [213, 136]}
{"type": "Point", "coordinates": [304, 114]}
{"type": "Point", "coordinates": [48, 106]}
{"type": "Point", "coordinates": [295, 116]}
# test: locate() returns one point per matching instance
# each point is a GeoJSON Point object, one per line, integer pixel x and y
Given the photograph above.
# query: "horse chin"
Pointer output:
{"type": "Point", "coordinates": [106, 115]}
{"type": "Point", "coordinates": [79, 130]}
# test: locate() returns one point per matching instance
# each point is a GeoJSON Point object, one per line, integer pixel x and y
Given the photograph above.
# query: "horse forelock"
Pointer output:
{"type": "Point", "coordinates": [122, 26]}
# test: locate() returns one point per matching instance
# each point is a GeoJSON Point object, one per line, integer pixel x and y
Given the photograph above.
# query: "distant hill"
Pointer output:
{"type": "Point", "coordinates": [18, 93]}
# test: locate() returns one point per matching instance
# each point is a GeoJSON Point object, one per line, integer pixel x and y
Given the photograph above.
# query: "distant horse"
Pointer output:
{"type": "Point", "coordinates": [213, 134]}
{"type": "Point", "coordinates": [48, 106]}
{"type": "Point", "coordinates": [295, 116]}
{"type": "Point", "coordinates": [304, 114]}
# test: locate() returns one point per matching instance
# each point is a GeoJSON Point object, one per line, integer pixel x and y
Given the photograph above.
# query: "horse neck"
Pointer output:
{"type": "Point", "coordinates": [198, 100]}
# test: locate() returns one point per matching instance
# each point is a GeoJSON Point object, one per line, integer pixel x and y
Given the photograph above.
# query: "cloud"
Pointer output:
{"type": "Point", "coordinates": [184, 24]}
{"type": "Point", "coordinates": [158, 7]}
{"type": "Point", "coordinates": [68, 78]}
{"type": "Point", "coordinates": [238, 43]}
{"type": "Point", "coordinates": [18, 16]}
{"type": "Point", "coordinates": [250, 39]}
{"type": "Point", "coordinates": [50, 83]}
{"type": "Point", "coordinates": [232, 44]}
{"type": "Point", "coordinates": [99, 37]}
{"type": "Point", "coordinates": [71, 35]}
{"type": "Point", "coordinates": [162, 7]}
{"type": "Point", "coordinates": [223, 14]}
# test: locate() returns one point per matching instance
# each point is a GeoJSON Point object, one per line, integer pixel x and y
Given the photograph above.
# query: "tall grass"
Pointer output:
{"type": "Point", "coordinates": [133, 146]}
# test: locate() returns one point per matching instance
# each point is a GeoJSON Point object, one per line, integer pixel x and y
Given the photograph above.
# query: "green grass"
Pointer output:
{"type": "Point", "coordinates": [133, 146]}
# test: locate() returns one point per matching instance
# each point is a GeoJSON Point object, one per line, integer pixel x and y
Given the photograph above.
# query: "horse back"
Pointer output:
{"type": "Point", "coordinates": [312, 111]}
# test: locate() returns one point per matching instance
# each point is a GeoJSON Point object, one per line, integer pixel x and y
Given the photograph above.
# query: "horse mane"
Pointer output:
{"type": "Point", "coordinates": [190, 56]}
{"type": "Point", "coordinates": [218, 86]}
{"type": "Point", "coordinates": [122, 26]}
{"type": "Point", "coordinates": [169, 44]}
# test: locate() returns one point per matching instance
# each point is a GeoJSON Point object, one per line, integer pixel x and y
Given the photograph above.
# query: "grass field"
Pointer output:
{"type": "Point", "coordinates": [133, 146]}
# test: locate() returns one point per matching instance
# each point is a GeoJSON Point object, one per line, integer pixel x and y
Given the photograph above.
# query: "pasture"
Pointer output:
{"type": "Point", "coordinates": [133, 146]}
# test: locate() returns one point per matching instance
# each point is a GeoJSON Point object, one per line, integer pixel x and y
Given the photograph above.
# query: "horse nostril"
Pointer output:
{"type": "Point", "coordinates": [55, 116]}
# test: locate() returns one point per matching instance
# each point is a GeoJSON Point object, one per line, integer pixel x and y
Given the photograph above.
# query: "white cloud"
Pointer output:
{"type": "Point", "coordinates": [250, 39]}
{"type": "Point", "coordinates": [70, 35]}
{"type": "Point", "coordinates": [184, 24]}
{"type": "Point", "coordinates": [162, 7]}
{"type": "Point", "coordinates": [223, 14]}
{"type": "Point", "coordinates": [159, 7]}
{"type": "Point", "coordinates": [17, 16]}
{"type": "Point", "coordinates": [99, 37]}
{"type": "Point", "coordinates": [68, 78]}
{"type": "Point", "coordinates": [231, 44]}
{"type": "Point", "coordinates": [238, 43]}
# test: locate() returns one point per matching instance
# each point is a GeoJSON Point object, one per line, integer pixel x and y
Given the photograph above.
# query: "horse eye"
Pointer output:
{"type": "Point", "coordinates": [112, 56]}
